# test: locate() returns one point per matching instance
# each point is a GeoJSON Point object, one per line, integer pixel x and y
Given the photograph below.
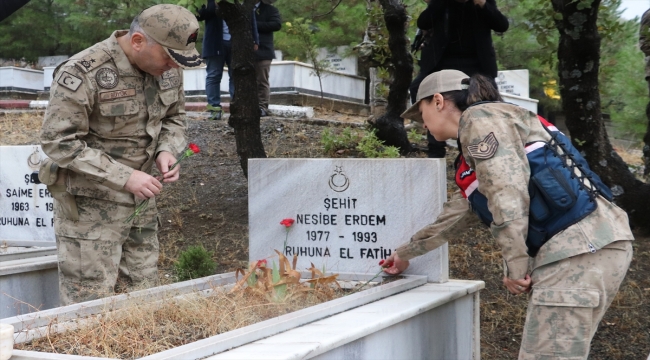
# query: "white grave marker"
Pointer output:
{"type": "Point", "coordinates": [26, 209]}
{"type": "Point", "coordinates": [349, 213]}
{"type": "Point", "coordinates": [514, 82]}
{"type": "Point", "coordinates": [337, 61]}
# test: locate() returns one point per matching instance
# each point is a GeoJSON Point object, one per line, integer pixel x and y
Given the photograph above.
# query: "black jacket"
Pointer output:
{"type": "Point", "coordinates": [268, 21]}
{"type": "Point", "coordinates": [10, 6]}
{"type": "Point", "coordinates": [435, 18]}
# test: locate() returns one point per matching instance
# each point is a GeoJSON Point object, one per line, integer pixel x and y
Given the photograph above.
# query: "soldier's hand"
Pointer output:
{"type": "Point", "coordinates": [518, 286]}
{"type": "Point", "coordinates": [398, 265]}
{"type": "Point", "coordinates": [164, 161]}
{"type": "Point", "coordinates": [142, 185]}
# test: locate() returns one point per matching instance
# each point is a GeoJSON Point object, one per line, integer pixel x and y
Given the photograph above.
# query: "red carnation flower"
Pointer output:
{"type": "Point", "coordinates": [287, 222]}
{"type": "Point", "coordinates": [192, 149]}
{"type": "Point", "coordinates": [261, 263]}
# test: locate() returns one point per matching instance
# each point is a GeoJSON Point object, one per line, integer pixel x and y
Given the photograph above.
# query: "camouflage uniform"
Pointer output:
{"type": "Point", "coordinates": [575, 275]}
{"type": "Point", "coordinates": [105, 118]}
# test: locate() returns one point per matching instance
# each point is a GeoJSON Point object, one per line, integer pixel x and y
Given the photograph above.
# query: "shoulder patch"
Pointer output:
{"type": "Point", "coordinates": [107, 78]}
{"type": "Point", "coordinates": [484, 149]}
{"type": "Point", "coordinates": [92, 60]}
{"type": "Point", "coordinates": [169, 79]}
{"type": "Point", "coordinates": [69, 81]}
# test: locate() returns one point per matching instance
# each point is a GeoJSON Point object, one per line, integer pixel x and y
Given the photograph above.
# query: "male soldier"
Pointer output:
{"type": "Point", "coordinates": [644, 43]}
{"type": "Point", "coordinates": [115, 109]}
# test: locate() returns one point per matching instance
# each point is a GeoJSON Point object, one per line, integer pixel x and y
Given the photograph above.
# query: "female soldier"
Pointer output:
{"type": "Point", "coordinates": [561, 237]}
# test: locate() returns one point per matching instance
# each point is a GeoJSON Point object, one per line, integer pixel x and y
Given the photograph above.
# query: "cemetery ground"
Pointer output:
{"type": "Point", "coordinates": [209, 205]}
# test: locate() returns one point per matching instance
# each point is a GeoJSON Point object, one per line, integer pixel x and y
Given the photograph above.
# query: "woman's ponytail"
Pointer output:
{"type": "Point", "coordinates": [482, 89]}
{"type": "Point", "coordinates": [479, 88]}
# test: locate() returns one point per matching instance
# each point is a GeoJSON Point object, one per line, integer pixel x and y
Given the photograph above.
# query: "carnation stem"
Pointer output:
{"type": "Point", "coordinates": [284, 249]}
{"type": "Point", "coordinates": [368, 282]}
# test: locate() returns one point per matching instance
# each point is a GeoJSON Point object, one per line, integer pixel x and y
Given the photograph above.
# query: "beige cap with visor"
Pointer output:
{"type": "Point", "coordinates": [437, 83]}
{"type": "Point", "coordinates": [175, 29]}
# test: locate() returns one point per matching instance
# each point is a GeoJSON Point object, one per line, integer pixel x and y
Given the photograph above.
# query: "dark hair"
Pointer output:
{"type": "Point", "coordinates": [480, 89]}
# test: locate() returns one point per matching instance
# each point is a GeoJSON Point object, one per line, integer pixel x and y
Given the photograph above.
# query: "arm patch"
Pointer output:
{"type": "Point", "coordinates": [484, 149]}
{"type": "Point", "coordinates": [69, 81]}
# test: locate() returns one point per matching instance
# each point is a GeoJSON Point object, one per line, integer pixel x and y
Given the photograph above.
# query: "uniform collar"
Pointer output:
{"type": "Point", "coordinates": [122, 63]}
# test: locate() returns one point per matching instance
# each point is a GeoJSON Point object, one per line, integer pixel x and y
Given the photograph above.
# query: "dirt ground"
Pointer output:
{"type": "Point", "coordinates": [209, 206]}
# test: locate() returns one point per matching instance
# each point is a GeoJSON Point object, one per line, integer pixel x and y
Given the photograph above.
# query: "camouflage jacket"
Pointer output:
{"type": "Point", "coordinates": [106, 118]}
{"type": "Point", "coordinates": [494, 136]}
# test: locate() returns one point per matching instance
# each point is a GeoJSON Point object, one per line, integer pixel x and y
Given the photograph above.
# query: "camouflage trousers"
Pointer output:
{"type": "Point", "coordinates": [568, 300]}
{"type": "Point", "coordinates": [94, 250]}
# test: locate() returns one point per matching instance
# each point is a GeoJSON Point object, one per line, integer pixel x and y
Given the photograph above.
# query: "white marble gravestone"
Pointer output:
{"type": "Point", "coordinates": [349, 213]}
{"type": "Point", "coordinates": [26, 208]}
{"type": "Point", "coordinates": [514, 82]}
{"type": "Point", "coordinates": [338, 61]}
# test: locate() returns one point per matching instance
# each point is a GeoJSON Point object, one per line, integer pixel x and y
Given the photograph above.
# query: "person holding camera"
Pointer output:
{"type": "Point", "coordinates": [458, 36]}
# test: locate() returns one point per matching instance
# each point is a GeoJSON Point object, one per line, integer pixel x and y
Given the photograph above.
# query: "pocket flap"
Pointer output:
{"type": "Point", "coordinates": [561, 297]}
{"type": "Point", "coordinates": [169, 97]}
{"type": "Point", "coordinates": [78, 229]}
{"type": "Point", "coordinates": [119, 108]}
{"type": "Point", "coordinates": [555, 188]}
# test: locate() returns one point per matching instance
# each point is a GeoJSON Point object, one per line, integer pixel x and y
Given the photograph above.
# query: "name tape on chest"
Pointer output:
{"type": "Point", "coordinates": [69, 81]}
{"type": "Point", "coordinates": [484, 149]}
{"type": "Point", "coordinates": [116, 94]}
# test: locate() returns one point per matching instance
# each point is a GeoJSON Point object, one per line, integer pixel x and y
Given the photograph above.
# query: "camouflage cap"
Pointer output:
{"type": "Point", "coordinates": [437, 83]}
{"type": "Point", "coordinates": [176, 29]}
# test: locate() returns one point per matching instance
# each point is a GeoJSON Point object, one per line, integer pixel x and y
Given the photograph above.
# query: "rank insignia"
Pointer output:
{"type": "Point", "coordinates": [484, 149]}
{"type": "Point", "coordinates": [69, 81]}
{"type": "Point", "coordinates": [107, 78]}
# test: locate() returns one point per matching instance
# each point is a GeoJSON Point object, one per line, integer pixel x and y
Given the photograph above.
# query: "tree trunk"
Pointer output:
{"type": "Point", "coordinates": [244, 109]}
{"type": "Point", "coordinates": [578, 65]}
{"type": "Point", "coordinates": [390, 126]}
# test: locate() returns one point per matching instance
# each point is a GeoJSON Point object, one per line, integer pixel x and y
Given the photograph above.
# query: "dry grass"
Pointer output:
{"type": "Point", "coordinates": [141, 329]}
{"type": "Point", "coordinates": [144, 329]}
{"type": "Point", "coordinates": [20, 128]}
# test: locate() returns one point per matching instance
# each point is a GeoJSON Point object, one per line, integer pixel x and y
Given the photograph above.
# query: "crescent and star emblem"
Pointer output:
{"type": "Point", "coordinates": [69, 81]}
{"type": "Point", "coordinates": [34, 160]}
{"type": "Point", "coordinates": [484, 149]}
{"type": "Point", "coordinates": [338, 181]}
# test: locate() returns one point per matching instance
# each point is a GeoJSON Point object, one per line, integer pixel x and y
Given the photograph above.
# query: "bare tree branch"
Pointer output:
{"type": "Point", "coordinates": [330, 11]}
